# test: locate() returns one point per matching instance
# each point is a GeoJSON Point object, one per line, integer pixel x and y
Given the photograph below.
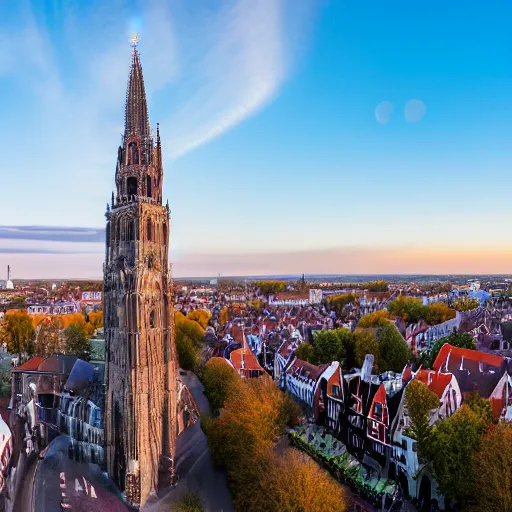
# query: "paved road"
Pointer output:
{"type": "Point", "coordinates": [194, 464]}
{"type": "Point", "coordinates": [86, 488]}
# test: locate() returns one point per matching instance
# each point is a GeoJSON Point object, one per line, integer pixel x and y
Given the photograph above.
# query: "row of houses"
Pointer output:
{"type": "Point", "coordinates": [368, 412]}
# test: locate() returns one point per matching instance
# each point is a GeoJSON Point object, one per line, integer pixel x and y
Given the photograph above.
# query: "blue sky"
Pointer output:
{"type": "Point", "coordinates": [281, 154]}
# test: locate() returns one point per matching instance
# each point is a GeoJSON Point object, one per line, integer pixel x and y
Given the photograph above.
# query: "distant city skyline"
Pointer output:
{"type": "Point", "coordinates": [328, 138]}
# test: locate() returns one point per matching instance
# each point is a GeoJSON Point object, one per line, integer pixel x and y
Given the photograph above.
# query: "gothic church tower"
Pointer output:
{"type": "Point", "coordinates": [141, 364]}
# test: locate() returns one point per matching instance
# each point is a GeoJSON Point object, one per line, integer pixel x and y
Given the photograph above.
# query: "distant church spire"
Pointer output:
{"type": "Point", "coordinates": [136, 113]}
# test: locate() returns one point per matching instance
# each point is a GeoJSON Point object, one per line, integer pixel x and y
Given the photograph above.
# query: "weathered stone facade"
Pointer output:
{"type": "Point", "coordinates": [141, 364]}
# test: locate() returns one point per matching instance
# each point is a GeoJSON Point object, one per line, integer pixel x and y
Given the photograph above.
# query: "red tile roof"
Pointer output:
{"type": "Point", "coordinates": [31, 364]}
{"type": "Point", "coordinates": [249, 360]}
{"type": "Point", "coordinates": [473, 355]}
{"type": "Point", "coordinates": [438, 381]}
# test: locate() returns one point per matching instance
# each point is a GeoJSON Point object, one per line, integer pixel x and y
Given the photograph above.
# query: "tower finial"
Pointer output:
{"type": "Point", "coordinates": [134, 41]}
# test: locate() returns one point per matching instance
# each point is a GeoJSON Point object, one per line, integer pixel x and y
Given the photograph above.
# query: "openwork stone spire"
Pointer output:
{"type": "Point", "coordinates": [136, 120]}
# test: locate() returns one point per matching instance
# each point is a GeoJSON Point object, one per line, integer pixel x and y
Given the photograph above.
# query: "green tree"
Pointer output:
{"type": "Point", "coordinates": [306, 352]}
{"type": "Point", "coordinates": [76, 342]}
{"type": "Point", "coordinates": [18, 332]}
{"type": "Point", "coordinates": [334, 345]}
{"type": "Point", "coordinates": [366, 343]}
{"type": "Point", "coordinates": [460, 340]}
{"type": "Point", "coordinates": [393, 349]}
{"type": "Point", "coordinates": [219, 380]}
{"type": "Point", "coordinates": [420, 400]}
{"type": "Point", "coordinates": [409, 309]}
{"type": "Point", "coordinates": [453, 442]}
{"type": "Point", "coordinates": [466, 304]}
{"type": "Point", "coordinates": [270, 287]}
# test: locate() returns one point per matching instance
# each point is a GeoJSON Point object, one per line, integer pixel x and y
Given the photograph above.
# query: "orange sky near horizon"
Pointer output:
{"type": "Point", "coordinates": [358, 260]}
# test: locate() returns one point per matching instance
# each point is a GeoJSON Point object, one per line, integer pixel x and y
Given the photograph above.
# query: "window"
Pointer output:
{"type": "Point", "coordinates": [152, 319]}
{"type": "Point", "coordinates": [148, 230]}
{"type": "Point", "coordinates": [336, 391]}
{"type": "Point", "coordinates": [377, 411]}
{"type": "Point", "coordinates": [131, 186]}
{"type": "Point", "coordinates": [130, 231]}
{"type": "Point", "coordinates": [148, 185]}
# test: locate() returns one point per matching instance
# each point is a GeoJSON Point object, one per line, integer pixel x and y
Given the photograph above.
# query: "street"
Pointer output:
{"type": "Point", "coordinates": [194, 464]}
{"type": "Point", "coordinates": [82, 487]}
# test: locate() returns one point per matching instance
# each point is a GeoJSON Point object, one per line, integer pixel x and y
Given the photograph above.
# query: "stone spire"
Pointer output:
{"type": "Point", "coordinates": [136, 114]}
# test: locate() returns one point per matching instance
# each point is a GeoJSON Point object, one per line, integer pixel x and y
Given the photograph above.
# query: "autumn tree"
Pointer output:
{"type": "Point", "coordinates": [47, 340]}
{"type": "Point", "coordinates": [224, 316]}
{"type": "Point", "coordinates": [375, 319]}
{"type": "Point", "coordinates": [219, 380]}
{"type": "Point", "coordinates": [96, 319]}
{"type": "Point", "coordinates": [18, 333]}
{"type": "Point", "coordinates": [366, 343]}
{"type": "Point", "coordinates": [189, 341]}
{"type": "Point", "coordinates": [438, 312]}
{"type": "Point", "coordinates": [393, 349]}
{"type": "Point", "coordinates": [466, 304]}
{"type": "Point", "coordinates": [460, 340]}
{"type": "Point", "coordinates": [293, 482]}
{"type": "Point", "coordinates": [409, 309]}
{"type": "Point", "coordinates": [201, 316]}
{"type": "Point", "coordinates": [77, 342]}
{"type": "Point", "coordinates": [492, 467]}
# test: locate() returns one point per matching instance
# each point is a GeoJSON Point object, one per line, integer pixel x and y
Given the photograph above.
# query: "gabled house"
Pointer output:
{"type": "Point", "coordinates": [478, 371]}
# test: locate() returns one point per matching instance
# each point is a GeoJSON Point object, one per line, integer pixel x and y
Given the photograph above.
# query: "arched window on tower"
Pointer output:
{"type": "Point", "coordinates": [164, 233]}
{"type": "Point", "coordinates": [131, 186]}
{"type": "Point", "coordinates": [148, 230]}
{"type": "Point", "coordinates": [148, 186]}
{"type": "Point", "coordinates": [152, 320]}
{"type": "Point", "coordinates": [133, 154]}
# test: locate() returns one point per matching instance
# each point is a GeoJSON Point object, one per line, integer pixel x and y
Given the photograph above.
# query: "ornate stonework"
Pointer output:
{"type": "Point", "coordinates": [141, 364]}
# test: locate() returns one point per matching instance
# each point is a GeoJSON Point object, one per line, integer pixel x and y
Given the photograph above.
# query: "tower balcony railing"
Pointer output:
{"type": "Point", "coordinates": [133, 198]}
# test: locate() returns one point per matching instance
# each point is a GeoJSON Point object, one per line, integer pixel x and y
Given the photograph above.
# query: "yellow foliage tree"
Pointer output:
{"type": "Point", "coordinates": [96, 319]}
{"type": "Point", "coordinates": [224, 316]}
{"type": "Point", "coordinates": [201, 316]}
